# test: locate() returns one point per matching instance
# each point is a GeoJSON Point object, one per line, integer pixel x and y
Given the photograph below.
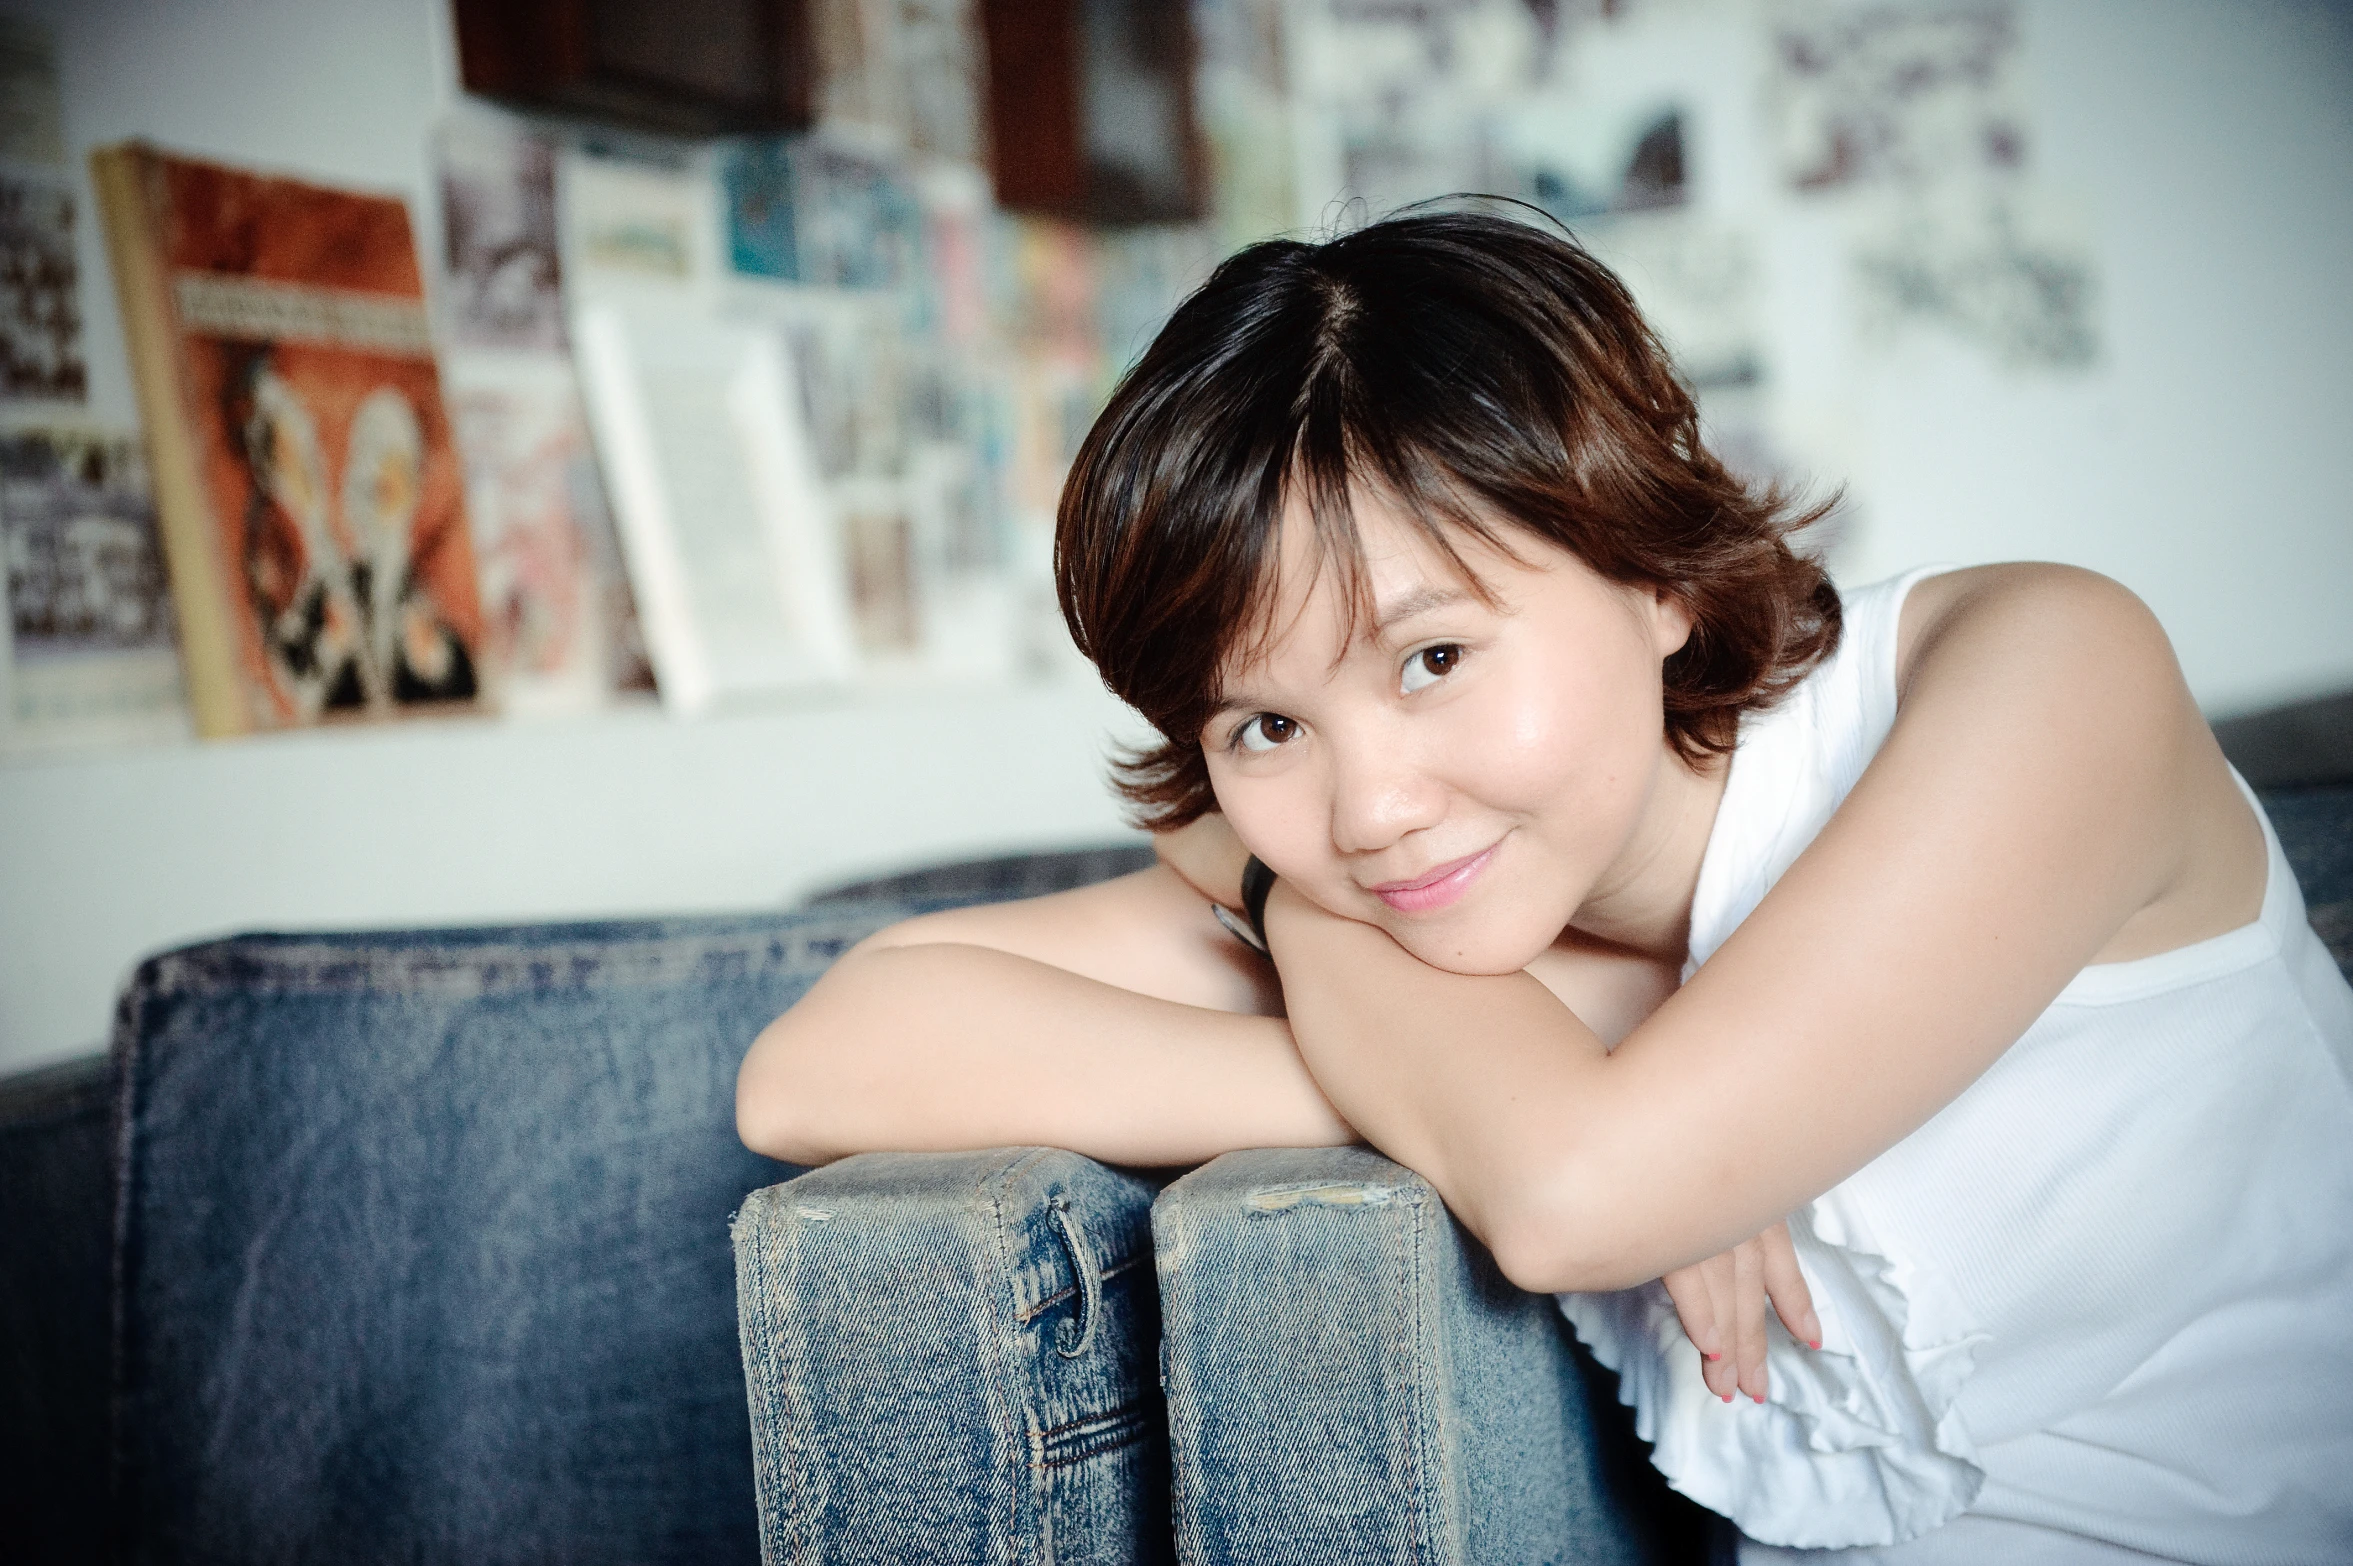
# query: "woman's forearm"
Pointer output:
{"type": "Point", "coordinates": [949, 1046]}
{"type": "Point", "coordinates": [1467, 1080]}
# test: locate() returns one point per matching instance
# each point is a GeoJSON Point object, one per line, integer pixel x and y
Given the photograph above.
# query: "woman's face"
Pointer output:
{"type": "Point", "coordinates": [1462, 774]}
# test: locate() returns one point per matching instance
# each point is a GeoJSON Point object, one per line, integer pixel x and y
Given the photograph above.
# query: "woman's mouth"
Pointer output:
{"type": "Point", "coordinates": [1438, 887]}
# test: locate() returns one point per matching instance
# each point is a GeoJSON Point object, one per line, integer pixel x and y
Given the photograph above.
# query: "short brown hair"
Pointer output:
{"type": "Point", "coordinates": [1472, 367]}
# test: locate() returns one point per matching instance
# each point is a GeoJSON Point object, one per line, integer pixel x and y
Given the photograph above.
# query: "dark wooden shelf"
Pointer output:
{"type": "Point", "coordinates": [698, 67]}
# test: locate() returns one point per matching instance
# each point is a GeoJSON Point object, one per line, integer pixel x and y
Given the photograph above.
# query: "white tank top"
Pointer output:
{"type": "Point", "coordinates": [2097, 1308]}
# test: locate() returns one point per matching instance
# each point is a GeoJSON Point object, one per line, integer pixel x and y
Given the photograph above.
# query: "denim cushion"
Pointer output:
{"type": "Point", "coordinates": [1001, 879]}
{"type": "Point", "coordinates": [422, 1249]}
{"type": "Point", "coordinates": [2315, 827]}
{"type": "Point", "coordinates": [55, 1207]}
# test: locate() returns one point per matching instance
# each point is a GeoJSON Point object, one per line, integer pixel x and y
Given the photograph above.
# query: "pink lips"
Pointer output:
{"type": "Point", "coordinates": [1437, 888]}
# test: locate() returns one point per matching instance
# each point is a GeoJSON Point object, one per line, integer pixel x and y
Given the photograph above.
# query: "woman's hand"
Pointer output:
{"type": "Point", "coordinates": [1722, 1303]}
{"type": "Point", "coordinates": [1207, 856]}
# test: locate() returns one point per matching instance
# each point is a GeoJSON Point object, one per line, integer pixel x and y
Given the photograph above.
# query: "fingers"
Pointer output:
{"type": "Point", "coordinates": [1700, 1304]}
{"type": "Point", "coordinates": [1689, 1290]}
{"type": "Point", "coordinates": [1748, 1335]}
{"type": "Point", "coordinates": [1722, 1303]}
{"type": "Point", "coordinates": [1719, 1371]}
{"type": "Point", "coordinates": [1793, 1302]}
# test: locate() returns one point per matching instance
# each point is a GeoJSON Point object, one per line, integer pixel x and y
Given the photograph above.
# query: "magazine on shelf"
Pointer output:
{"type": "Point", "coordinates": [635, 228]}
{"type": "Point", "coordinates": [730, 536]}
{"type": "Point", "coordinates": [88, 655]}
{"type": "Point", "coordinates": [501, 265]}
{"type": "Point", "coordinates": [309, 490]}
{"type": "Point", "coordinates": [560, 623]}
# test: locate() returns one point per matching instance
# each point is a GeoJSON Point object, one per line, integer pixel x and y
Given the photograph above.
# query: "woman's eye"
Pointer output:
{"type": "Point", "coordinates": [1266, 731]}
{"type": "Point", "coordinates": [1427, 667]}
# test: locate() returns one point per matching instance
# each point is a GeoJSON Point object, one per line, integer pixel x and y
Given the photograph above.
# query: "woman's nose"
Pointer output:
{"type": "Point", "coordinates": [1381, 792]}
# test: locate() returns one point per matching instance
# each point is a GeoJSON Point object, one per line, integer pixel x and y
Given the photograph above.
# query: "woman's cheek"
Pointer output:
{"type": "Point", "coordinates": [1272, 822]}
{"type": "Point", "coordinates": [1517, 751]}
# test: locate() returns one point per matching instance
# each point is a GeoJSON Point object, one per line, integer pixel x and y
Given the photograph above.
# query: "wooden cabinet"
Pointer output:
{"type": "Point", "coordinates": [691, 66]}
{"type": "Point", "coordinates": [1091, 109]}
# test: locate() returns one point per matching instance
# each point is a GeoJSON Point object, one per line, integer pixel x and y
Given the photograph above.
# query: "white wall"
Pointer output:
{"type": "Point", "coordinates": [2202, 464]}
{"type": "Point", "coordinates": [2209, 144]}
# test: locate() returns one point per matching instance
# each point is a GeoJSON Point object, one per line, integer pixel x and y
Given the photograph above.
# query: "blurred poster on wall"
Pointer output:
{"type": "Point", "coordinates": [861, 84]}
{"type": "Point", "coordinates": [1697, 281]}
{"type": "Point", "coordinates": [641, 226]}
{"type": "Point", "coordinates": [756, 181]}
{"type": "Point", "coordinates": [811, 212]}
{"type": "Point", "coordinates": [1141, 275]}
{"type": "Point", "coordinates": [501, 264]}
{"type": "Point", "coordinates": [1241, 94]}
{"type": "Point", "coordinates": [90, 656]}
{"type": "Point", "coordinates": [1914, 120]}
{"type": "Point", "coordinates": [1870, 93]}
{"type": "Point", "coordinates": [857, 221]}
{"type": "Point", "coordinates": [1999, 267]}
{"type": "Point", "coordinates": [878, 541]}
{"type": "Point", "coordinates": [1578, 155]}
{"type": "Point", "coordinates": [1399, 100]}
{"type": "Point", "coordinates": [41, 358]}
{"type": "Point", "coordinates": [562, 632]}
{"type": "Point", "coordinates": [941, 58]}
{"type": "Point", "coordinates": [32, 129]}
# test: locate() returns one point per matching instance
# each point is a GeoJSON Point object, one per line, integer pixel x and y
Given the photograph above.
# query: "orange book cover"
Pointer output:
{"type": "Point", "coordinates": [310, 492]}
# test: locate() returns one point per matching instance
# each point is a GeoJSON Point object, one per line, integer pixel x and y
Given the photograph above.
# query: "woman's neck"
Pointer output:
{"type": "Point", "coordinates": [1643, 901]}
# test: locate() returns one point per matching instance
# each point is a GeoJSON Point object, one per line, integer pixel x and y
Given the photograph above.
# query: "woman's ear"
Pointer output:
{"type": "Point", "coordinates": [1670, 622]}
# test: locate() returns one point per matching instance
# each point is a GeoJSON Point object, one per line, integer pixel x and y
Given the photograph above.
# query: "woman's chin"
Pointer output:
{"type": "Point", "coordinates": [1470, 949]}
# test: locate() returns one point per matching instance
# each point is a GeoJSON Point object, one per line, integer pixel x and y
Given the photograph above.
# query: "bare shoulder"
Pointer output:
{"type": "Point", "coordinates": [1148, 932]}
{"type": "Point", "coordinates": [2100, 705]}
{"type": "Point", "coordinates": [2038, 602]}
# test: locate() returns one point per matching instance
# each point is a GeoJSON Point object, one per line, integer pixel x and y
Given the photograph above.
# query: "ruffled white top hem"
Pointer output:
{"type": "Point", "coordinates": [1884, 1454]}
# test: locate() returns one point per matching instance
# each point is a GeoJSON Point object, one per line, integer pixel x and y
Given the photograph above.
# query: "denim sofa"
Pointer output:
{"type": "Point", "coordinates": [415, 1246]}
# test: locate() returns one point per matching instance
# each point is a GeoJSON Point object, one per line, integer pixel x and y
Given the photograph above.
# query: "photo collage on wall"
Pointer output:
{"type": "Point", "coordinates": [893, 373]}
{"type": "Point", "coordinates": [88, 647]}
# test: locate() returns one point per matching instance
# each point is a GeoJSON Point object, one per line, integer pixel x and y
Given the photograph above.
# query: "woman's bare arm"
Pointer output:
{"type": "Point", "coordinates": [1117, 1021]}
{"type": "Point", "coordinates": [2048, 797]}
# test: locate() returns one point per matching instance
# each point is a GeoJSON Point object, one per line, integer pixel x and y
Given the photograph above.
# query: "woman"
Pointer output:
{"type": "Point", "coordinates": [1641, 893]}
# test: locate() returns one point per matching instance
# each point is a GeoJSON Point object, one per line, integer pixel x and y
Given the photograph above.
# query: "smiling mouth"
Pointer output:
{"type": "Point", "coordinates": [1438, 887]}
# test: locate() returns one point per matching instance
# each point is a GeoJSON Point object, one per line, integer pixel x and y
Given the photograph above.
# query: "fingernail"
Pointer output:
{"type": "Point", "coordinates": [1813, 1343]}
{"type": "Point", "coordinates": [1727, 1397]}
{"type": "Point", "coordinates": [1715, 1356]}
{"type": "Point", "coordinates": [1759, 1396]}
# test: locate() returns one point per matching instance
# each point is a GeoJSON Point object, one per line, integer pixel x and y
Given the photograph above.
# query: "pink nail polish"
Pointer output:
{"type": "Point", "coordinates": [1813, 1343]}
{"type": "Point", "coordinates": [1727, 1397]}
{"type": "Point", "coordinates": [1715, 1356]}
{"type": "Point", "coordinates": [1759, 1397]}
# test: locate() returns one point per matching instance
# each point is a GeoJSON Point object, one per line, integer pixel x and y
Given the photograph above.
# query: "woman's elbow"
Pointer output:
{"type": "Point", "coordinates": [1552, 1244]}
{"type": "Point", "coordinates": [776, 1096]}
{"type": "Point", "coordinates": [791, 1072]}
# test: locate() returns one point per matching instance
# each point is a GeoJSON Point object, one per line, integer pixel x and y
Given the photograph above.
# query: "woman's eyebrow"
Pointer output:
{"type": "Point", "coordinates": [1421, 600]}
